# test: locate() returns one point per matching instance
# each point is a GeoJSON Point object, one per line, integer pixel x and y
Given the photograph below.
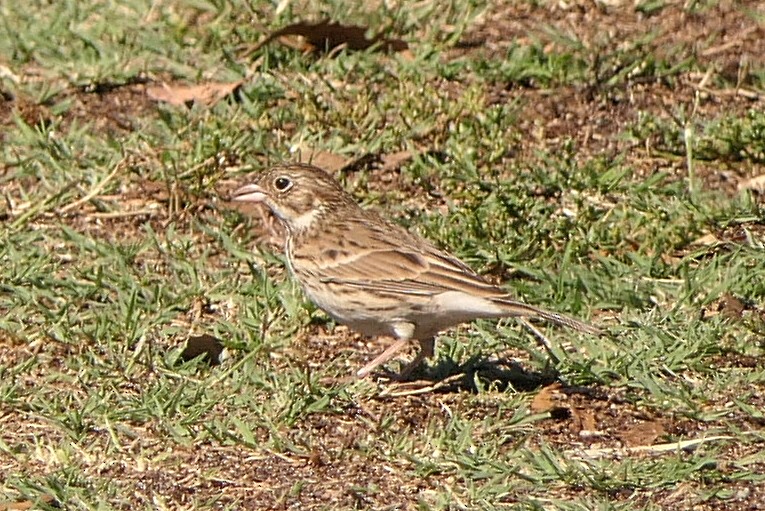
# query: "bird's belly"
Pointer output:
{"type": "Point", "coordinates": [363, 317]}
{"type": "Point", "coordinates": [374, 315]}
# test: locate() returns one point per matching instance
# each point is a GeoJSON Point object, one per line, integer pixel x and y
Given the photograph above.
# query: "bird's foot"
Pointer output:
{"type": "Point", "coordinates": [383, 357]}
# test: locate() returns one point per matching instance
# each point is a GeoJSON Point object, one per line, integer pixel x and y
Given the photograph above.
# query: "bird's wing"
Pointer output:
{"type": "Point", "coordinates": [409, 265]}
{"type": "Point", "coordinates": [397, 272]}
{"type": "Point", "coordinates": [395, 269]}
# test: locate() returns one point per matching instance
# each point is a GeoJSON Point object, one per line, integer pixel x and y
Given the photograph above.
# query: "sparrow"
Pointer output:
{"type": "Point", "coordinates": [373, 275]}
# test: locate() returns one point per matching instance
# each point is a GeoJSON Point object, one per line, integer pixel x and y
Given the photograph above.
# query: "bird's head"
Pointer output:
{"type": "Point", "coordinates": [298, 194]}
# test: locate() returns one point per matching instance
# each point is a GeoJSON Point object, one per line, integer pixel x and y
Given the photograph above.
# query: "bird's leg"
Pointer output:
{"type": "Point", "coordinates": [382, 357]}
{"type": "Point", "coordinates": [403, 332]}
{"type": "Point", "coordinates": [427, 350]}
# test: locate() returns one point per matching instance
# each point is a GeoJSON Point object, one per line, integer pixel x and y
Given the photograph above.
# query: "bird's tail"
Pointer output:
{"type": "Point", "coordinates": [515, 308]}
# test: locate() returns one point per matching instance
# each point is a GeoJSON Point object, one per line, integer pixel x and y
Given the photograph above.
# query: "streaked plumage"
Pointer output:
{"type": "Point", "coordinates": [373, 275]}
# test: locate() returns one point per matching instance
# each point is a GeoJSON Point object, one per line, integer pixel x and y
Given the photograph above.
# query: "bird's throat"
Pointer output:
{"type": "Point", "coordinates": [304, 221]}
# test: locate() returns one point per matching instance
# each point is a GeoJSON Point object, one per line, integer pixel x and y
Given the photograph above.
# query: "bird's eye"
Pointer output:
{"type": "Point", "coordinates": [282, 183]}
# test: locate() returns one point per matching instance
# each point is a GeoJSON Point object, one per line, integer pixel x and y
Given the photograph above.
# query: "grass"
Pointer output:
{"type": "Point", "coordinates": [552, 157]}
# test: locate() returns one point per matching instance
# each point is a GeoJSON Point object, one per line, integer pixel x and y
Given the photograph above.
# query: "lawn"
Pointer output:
{"type": "Point", "coordinates": [601, 159]}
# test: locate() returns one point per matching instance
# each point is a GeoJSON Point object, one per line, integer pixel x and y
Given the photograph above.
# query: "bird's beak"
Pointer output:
{"type": "Point", "coordinates": [249, 193]}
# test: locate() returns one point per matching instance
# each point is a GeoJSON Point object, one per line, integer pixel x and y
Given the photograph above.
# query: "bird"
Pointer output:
{"type": "Point", "coordinates": [373, 275]}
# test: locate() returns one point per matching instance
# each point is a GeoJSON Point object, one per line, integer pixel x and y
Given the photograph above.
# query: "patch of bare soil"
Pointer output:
{"type": "Point", "coordinates": [722, 32]}
{"type": "Point", "coordinates": [725, 41]}
{"type": "Point", "coordinates": [110, 107]}
{"type": "Point", "coordinates": [341, 458]}
{"type": "Point", "coordinates": [31, 113]}
{"type": "Point", "coordinates": [587, 422]}
{"type": "Point", "coordinates": [113, 108]}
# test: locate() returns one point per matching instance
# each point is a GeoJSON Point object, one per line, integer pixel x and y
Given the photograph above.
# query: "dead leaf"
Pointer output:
{"type": "Point", "coordinates": [706, 240]}
{"type": "Point", "coordinates": [728, 305]}
{"type": "Point", "coordinates": [755, 183]}
{"type": "Point", "coordinates": [545, 400]}
{"type": "Point", "coordinates": [642, 433]}
{"type": "Point", "coordinates": [731, 307]}
{"type": "Point", "coordinates": [326, 35]}
{"type": "Point", "coordinates": [326, 160]}
{"type": "Point", "coordinates": [203, 345]}
{"type": "Point", "coordinates": [206, 94]}
{"type": "Point", "coordinates": [28, 504]}
{"type": "Point", "coordinates": [394, 161]}
{"type": "Point", "coordinates": [584, 420]}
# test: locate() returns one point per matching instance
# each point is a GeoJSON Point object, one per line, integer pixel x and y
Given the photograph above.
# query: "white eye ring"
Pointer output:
{"type": "Point", "coordinates": [283, 183]}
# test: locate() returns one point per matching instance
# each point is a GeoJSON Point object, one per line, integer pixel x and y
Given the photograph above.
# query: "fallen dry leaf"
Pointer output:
{"type": "Point", "coordinates": [545, 399]}
{"type": "Point", "coordinates": [584, 420]}
{"type": "Point", "coordinates": [28, 504]}
{"type": "Point", "coordinates": [728, 305]}
{"type": "Point", "coordinates": [326, 160]}
{"type": "Point", "coordinates": [731, 307]}
{"type": "Point", "coordinates": [394, 161]}
{"type": "Point", "coordinates": [206, 94]}
{"type": "Point", "coordinates": [706, 240]}
{"type": "Point", "coordinates": [643, 433]}
{"type": "Point", "coordinates": [326, 35]}
{"type": "Point", "coordinates": [755, 183]}
{"type": "Point", "coordinates": [203, 345]}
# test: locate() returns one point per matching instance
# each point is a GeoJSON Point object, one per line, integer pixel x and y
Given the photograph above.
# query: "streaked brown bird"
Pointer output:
{"type": "Point", "coordinates": [373, 275]}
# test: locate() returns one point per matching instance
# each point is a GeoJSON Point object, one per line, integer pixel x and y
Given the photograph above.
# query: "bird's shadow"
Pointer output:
{"type": "Point", "coordinates": [474, 375]}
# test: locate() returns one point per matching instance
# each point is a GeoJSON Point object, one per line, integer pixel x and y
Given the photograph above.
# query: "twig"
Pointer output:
{"type": "Point", "coordinates": [650, 449]}
{"type": "Point", "coordinates": [93, 191]}
{"type": "Point", "coordinates": [412, 389]}
{"type": "Point", "coordinates": [543, 340]}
